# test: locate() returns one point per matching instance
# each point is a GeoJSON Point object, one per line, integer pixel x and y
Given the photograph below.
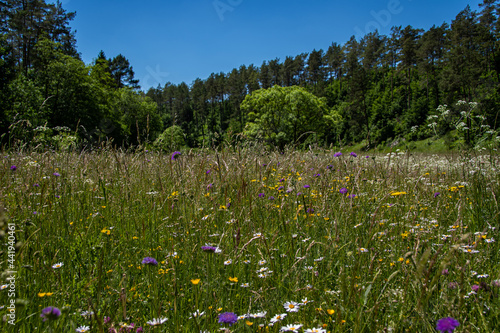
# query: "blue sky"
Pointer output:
{"type": "Point", "coordinates": [182, 40]}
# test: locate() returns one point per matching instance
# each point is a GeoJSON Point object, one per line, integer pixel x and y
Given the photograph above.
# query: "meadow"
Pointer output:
{"type": "Point", "coordinates": [248, 240]}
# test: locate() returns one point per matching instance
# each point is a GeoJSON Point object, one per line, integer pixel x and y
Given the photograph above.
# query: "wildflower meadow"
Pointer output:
{"type": "Point", "coordinates": [243, 239]}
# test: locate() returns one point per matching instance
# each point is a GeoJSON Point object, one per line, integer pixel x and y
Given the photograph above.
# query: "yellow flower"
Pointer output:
{"type": "Point", "coordinates": [44, 294]}
{"type": "Point", "coordinates": [195, 281]}
{"type": "Point", "coordinates": [330, 311]}
{"type": "Point", "coordinates": [233, 279]}
{"type": "Point", "coordinates": [397, 193]}
{"type": "Point", "coordinates": [105, 231]}
{"type": "Point", "coordinates": [249, 323]}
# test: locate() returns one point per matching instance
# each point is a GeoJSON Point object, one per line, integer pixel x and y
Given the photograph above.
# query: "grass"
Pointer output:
{"type": "Point", "coordinates": [389, 255]}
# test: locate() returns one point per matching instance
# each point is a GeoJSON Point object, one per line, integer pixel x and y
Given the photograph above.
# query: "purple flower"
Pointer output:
{"type": "Point", "coordinates": [445, 271]}
{"type": "Point", "coordinates": [228, 318]}
{"type": "Point", "coordinates": [261, 195]}
{"type": "Point", "coordinates": [56, 174]}
{"type": "Point", "coordinates": [306, 186]}
{"type": "Point", "coordinates": [476, 287]}
{"type": "Point", "coordinates": [453, 285]}
{"type": "Point", "coordinates": [107, 320]}
{"type": "Point", "coordinates": [209, 186]}
{"type": "Point", "coordinates": [353, 154]}
{"type": "Point", "coordinates": [352, 196]}
{"type": "Point", "coordinates": [13, 168]}
{"type": "Point", "coordinates": [150, 261]}
{"type": "Point", "coordinates": [367, 156]}
{"type": "Point", "coordinates": [139, 330]}
{"type": "Point", "coordinates": [175, 155]}
{"type": "Point", "coordinates": [337, 154]}
{"type": "Point", "coordinates": [343, 190]}
{"type": "Point", "coordinates": [208, 172]}
{"type": "Point", "coordinates": [50, 313]}
{"type": "Point", "coordinates": [329, 167]}
{"type": "Point", "coordinates": [447, 324]}
{"type": "Point", "coordinates": [436, 194]}
{"type": "Point", "coordinates": [317, 175]}
{"type": "Point", "coordinates": [36, 185]}
{"type": "Point", "coordinates": [310, 210]}
{"type": "Point", "coordinates": [282, 180]}
{"type": "Point", "coordinates": [208, 248]}
{"type": "Point", "coordinates": [271, 198]}
{"type": "Point", "coordinates": [280, 188]}
{"type": "Point", "coordinates": [299, 194]}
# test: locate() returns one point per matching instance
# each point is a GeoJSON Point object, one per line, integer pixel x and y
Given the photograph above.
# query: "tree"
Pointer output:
{"type": "Point", "coordinates": [283, 115]}
{"type": "Point", "coordinates": [122, 72]}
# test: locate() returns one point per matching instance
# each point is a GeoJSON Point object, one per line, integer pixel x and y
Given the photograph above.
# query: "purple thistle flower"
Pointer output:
{"type": "Point", "coordinates": [353, 154]}
{"type": "Point", "coordinates": [343, 190]}
{"type": "Point", "coordinates": [36, 185]}
{"type": "Point", "coordinates": [306, 186]}
{"type": "Point", "coordinates": [107, 320]}
{"type": "Point", "coordinates": [299, 194]}
{"type": "Point", "coordinates": [208, 248]}
{"type": "Point", "coordinates": [175, 155]}
{"type": "Point", "coordinates": [317, 175]}
{"type": "Point", "coordinates": [310, 210]}
{"type": "Point", "coordinates": [150, 261]}
{"type": "Point", "coordinates": [261, 195]}
{"type": "Point", "coordinates": [50, 313]}
{"type": "Point", "coordinates": [13, 168]}
{"type": "Point", "coordinates": [476, 287]}
{"type": "Point", "coordinates": [447, 324]}
{"type": "Point", "coordinates": [208, 172]}
{"type": "Point", "coordinates": [352, 196]}
{"type": "Point", "coordinates": [445, 271]}
{"type": "Point", "coordinates": [436, 194]}
{"type": "Point", "coordinates": [271, 198]}
{"type": "Point", "coordinates": [56, 174]}
{"type": "Point", "coordinates": [280, 188]}
{"type": "Point", "coordinates": [139, 330]}
{"type": "Point", "coordinates": [282, 180]}
{"type": "Point", "coordinates": [228, 318]}
{"type": "Point", "coordinates": [367, 156]}
{"type": "Point", "coordinates": [337, 154]}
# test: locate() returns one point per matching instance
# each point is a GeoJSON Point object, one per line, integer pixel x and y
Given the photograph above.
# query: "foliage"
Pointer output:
{"type": "Point", "coordinates": [171, 139]}
{"type": "Point", "coordinates": [284, 115]}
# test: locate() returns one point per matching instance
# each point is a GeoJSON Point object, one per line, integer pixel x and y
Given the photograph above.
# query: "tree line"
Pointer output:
{"type": "Point", "coordinates": [375, 89]}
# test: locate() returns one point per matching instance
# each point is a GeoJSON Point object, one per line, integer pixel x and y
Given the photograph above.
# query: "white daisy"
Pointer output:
{"type": "Point", "coordinates": [58, 265]}
{"type": "Point", "coordinates": [315, 330]}
{"type": "Point", "coordinates": [278, 317]}
{"type": "Point", "coordinates": [291, 328]}
{"type": "Point", "coordinates": [83, 329]}
{"type": "Point", "coordinates": [157, 321]}
{"type": "Point", "coordinates": [291, 306]}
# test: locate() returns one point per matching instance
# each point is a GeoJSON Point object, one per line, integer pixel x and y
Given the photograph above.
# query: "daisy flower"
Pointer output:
{"type": "Point", "coordinates": [83, 329]}
{"type": "Point", "coordinates": [315, 330]}
{"type": "Point", "coordinates": [291, 306]}
{"type": "Point", "coordinates": [291, 328]}
{"type": "Point", "coordinates": [58, 265]}
{"type": "Point", "coordinates": [278, 317]}
{"type": "Point", "coordinates": [157, 321]}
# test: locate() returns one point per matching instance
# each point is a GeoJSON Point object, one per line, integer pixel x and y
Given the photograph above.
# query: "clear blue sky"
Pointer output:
{"type": "Point", "coordinates": [181, 40]}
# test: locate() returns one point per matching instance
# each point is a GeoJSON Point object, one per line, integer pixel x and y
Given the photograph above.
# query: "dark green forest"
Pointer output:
{"type": "Point", "coordinates": [410, 85]}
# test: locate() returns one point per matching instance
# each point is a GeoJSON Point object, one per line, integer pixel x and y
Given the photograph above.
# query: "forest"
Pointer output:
{"type": "Point", "coordinates": [411, 85]}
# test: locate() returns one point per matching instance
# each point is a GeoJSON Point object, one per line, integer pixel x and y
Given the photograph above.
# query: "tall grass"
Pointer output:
{"type": "Point", "coordinates": [411, 241]}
